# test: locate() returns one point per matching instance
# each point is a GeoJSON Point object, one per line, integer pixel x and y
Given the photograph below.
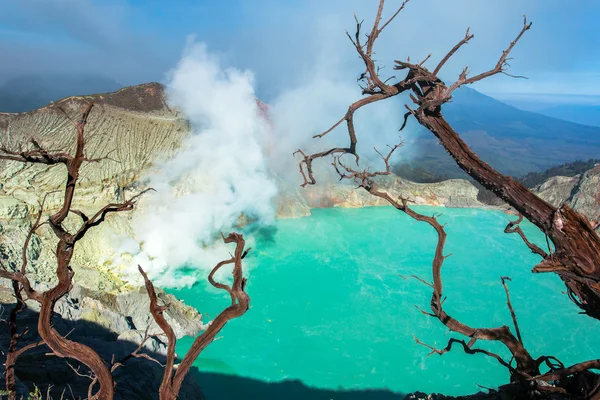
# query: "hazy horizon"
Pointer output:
{"type": "Point", "coordinates": [286, 43]}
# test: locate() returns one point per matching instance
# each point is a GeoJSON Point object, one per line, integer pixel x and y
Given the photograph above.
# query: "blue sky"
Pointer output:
{"type": "Point", "coordinates": [285, 42]}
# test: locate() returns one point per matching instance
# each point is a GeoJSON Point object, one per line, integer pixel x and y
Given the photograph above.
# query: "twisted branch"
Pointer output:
{"type": "Point", "coordinates": [513, 227]}
{"type": "Point", "coordinates": [240, 302]}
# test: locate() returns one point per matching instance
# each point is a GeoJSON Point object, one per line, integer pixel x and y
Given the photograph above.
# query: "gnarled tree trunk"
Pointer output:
{"type": "Point", "coordinates": [576, 258]}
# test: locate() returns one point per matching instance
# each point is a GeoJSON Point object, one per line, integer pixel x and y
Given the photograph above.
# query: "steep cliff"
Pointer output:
{"type": "Point", "coordinates": [132, 128]}
{"type": "Point", "coordinates": [581, 192]}
{"type": "Point", "coordinates": [450, 193]}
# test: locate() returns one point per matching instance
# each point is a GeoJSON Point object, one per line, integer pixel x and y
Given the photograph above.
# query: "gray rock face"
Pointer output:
{"type": "Point", "coordinates": [450, 193]}
{"type": "Point", "coordinates": [129, 310]}
{"type": "Point", "coordinates": [581, 192]}
{"type": "Point", "coordinates": [185, 320]}
{"type": "Point", "coordinates": [152, 345]}
{"type": "Point", "coordinates": [557, 189]}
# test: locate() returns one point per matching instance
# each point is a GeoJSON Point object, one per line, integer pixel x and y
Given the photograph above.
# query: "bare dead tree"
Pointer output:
{"type": "Point", "coordinates": [576, 259]}
{"type": "Point", "coordinates": [240, 302]}
{"type": "Point", "coordinates": [526, 369]}
{"type": "Point", "coordinates": [576, 255]}
{"type": "Point", "coordinates": [60, 345]}
{"type": "Point", "coordinates": [525, 364]}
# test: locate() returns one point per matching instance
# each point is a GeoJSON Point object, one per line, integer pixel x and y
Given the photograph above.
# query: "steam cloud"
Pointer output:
{"type": "Point", "coordinates": [230, 163]}
{"type": "Point", "coordinates": [219, 175]}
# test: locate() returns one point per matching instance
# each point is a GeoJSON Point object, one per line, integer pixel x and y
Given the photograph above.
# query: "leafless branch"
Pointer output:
{"type": "Point", "coordinates": [467, 348]}
{"type": "Point", "coordinates": [136, 353]}
{"type": "Point", "coordinates": [513, 227]}
{"type": "Point", "coordinates": [240, 302]}
{"type": "Point", "coordinates": [510, 307]}
{"type": "Point", "coordinates": [465, 40]}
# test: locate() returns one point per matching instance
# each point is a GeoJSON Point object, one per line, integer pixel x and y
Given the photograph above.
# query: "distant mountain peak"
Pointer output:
{"type": "Point", "coordinates": [513, 141]}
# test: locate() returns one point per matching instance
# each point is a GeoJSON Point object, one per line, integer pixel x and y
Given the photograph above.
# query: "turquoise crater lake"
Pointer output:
{"type": "Point", "coordinates": [329, 308]}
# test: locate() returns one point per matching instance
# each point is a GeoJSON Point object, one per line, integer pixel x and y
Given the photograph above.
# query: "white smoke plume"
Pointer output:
{"type": "Point", "coordinates": [228, 166]}
{"type": "Point", "coordinates": [219, 175]}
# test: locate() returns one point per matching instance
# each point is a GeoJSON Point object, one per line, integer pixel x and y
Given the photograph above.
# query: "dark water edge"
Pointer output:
{"type": "Point", "coordinates": [228, 387]}
{"type": "Point", "coordinates": [231, 387]}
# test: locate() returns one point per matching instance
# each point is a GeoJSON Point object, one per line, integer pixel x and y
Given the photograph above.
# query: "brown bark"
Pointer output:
{"type": "Point", "coordinates": [13, 351]}
{"type": "Point", "coordinates": [513, 227]}
{"type": "Point", "coordinates": [576, 259]}
{"type": "Point", "coordinates": [240, 302]}
{"type": "Point", "coordinates": [526, 366]}
{"type": "Point", "coordinates": [59, 345]}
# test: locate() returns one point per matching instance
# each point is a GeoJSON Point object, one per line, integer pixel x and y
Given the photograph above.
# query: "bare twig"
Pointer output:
{"type": "Point", "coordinates": [513, 227]}
{"type": "Point", "coordinates": [510, 307]}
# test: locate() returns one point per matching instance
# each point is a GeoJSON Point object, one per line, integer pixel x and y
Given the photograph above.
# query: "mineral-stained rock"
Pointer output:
{"type": "Point", "coordinates": [557, 189]}
{"type": "Point", "coordinates": [451, 193]}
{"type": "Point", "coordinates": [131, 129]}
{"type": "Point", "coordinates": [581, 192]}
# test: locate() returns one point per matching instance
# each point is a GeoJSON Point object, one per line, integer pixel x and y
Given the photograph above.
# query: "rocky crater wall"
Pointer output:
{"type": "Point", "coordinates": [133, 130]}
